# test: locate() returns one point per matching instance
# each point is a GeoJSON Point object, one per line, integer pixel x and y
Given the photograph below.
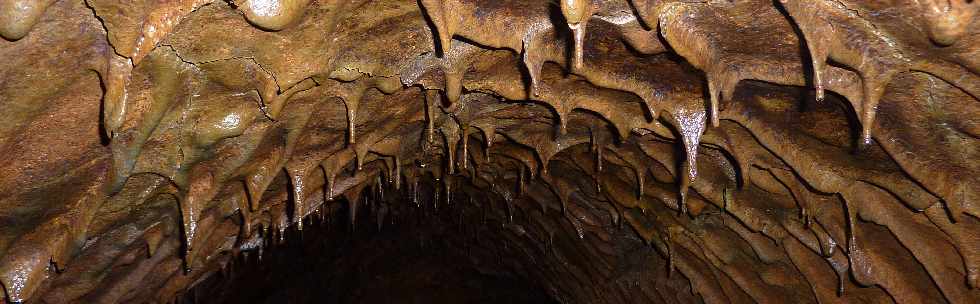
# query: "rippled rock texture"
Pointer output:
{"type": "Point", "coordinates": [608, 151]}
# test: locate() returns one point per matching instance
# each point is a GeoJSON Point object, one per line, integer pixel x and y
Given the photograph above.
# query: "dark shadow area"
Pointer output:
{"type": "Point", "coordinates": [398, 262]}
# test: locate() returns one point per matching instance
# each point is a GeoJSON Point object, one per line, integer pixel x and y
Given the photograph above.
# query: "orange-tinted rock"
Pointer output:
{"type": "Point", "coordinates": [156, 149]}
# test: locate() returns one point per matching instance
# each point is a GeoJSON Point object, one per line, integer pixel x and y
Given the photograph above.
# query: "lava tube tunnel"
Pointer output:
{"type": "Point", "coordinates": [490, 151]}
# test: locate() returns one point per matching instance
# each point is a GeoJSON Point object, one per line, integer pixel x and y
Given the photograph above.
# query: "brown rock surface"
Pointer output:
{"type": "Point", "coordinates": [607, 151]}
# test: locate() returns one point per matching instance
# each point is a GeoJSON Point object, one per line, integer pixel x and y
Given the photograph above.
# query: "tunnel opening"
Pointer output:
{"type": "Point", "coordinates": [413, 255]}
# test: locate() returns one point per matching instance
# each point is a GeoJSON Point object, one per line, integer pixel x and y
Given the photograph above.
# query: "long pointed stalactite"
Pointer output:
{"type": "Point", "coordinates": [610, 151]}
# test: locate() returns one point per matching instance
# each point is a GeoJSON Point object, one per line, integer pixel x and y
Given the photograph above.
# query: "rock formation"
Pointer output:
{"type": "Point", "coordinates": [611, 151]}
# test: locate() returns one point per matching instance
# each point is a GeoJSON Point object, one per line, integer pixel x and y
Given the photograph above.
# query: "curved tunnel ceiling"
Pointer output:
{"type": "Point", "coordinates": [758, 151]}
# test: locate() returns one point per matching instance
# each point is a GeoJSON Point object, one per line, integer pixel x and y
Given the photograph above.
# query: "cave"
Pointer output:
{"type": "Point", "coordinates": [490, 151]}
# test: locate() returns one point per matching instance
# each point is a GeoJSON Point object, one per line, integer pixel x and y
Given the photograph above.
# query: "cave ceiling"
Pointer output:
{"type": "Point", "coordinates": [787, 151]}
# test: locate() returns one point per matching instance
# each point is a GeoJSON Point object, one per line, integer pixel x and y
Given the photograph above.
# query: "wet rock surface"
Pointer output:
{"type": "Point", "coordinates": [601, 151]}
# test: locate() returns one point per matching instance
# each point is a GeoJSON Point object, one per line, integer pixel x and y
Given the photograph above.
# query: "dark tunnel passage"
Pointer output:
{"type": "Point", "coordinates": [415, 245]}
{"type": "Point", "coordinates": [425, 256]}
{"type": "Point", "coordinates": [330, 264]}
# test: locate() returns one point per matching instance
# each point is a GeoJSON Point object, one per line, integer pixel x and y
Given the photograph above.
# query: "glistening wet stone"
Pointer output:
{"type": "Point", "coordinates": [601, 151]}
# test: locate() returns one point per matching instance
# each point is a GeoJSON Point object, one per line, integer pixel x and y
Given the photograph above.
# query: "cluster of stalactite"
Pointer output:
{"type": "Point", "coordinates": [767, 151]}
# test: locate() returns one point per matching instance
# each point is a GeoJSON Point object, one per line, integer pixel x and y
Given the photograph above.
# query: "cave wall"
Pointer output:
{"type": "Point", "coordinates": [616, 151]}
